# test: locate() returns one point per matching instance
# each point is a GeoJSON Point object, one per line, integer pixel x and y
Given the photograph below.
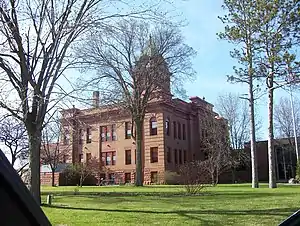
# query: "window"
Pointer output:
{"type": "Point", "coordinates": [179, 130]}
{"type": "Point", "coordinates": [80, 157]}
{"type": "Point", "coordinates": [174, 130]}
{"type": "Point", "coordinates": [127, 130]}
{"type": "Point", "coordinates": [88, 157]}
{"type": "Point", "coordinates": [183, 132]}
{"type": "Point", "coordinates": [169, 155]}
{"type": "Point", "coordinates": [184, 156]}
{"type": "Point", "coordinates": [154, 177]}
{"type": "Point", "coordinates": [108, 158]}
{"type": "Point", "coordinates": [80, 136]}
{"type": "Point", "coordinates": [103, 158]}
{"type": "Point", "coordinates": [153, 155]}
{"type": "Point", "coordinates": [127, 157]}
{"type": "Point", "coordinates": [66, 136]}
{"type": "Point", "coordinates": [168, 127]}
{"type": "Point", "coordinates": [153, 126]}
{"type": "Point", "coordinates": [88, 135]}
{"type": "Point", "coordinates": [175, 156]}
{"type": "Point", "coordinates": [180, 156]}
{"type": "Point", "coordinates": [114, 157]}
{"type": "Point", "coordinates": [104, 132]}
{"type": "Point", "coordinates": [127, 178]}
{"type": "Point", "coordinates": [65, 157]}
{"type": "Point", "coordinates": [113, 132]}
{"type": "Point", "coordinates": [108, 133]}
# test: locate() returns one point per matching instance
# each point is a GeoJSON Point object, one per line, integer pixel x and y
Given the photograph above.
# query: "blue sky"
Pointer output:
{"type": "Point", "coordinates": [213, 61]}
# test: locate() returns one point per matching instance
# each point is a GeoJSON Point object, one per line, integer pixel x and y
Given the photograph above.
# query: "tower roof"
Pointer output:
{"type": "Point", "coordinates": [151, 48]}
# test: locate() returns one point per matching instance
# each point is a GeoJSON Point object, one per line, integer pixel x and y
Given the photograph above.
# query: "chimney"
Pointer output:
{"type": "Point", "coordinates": [96, 99]}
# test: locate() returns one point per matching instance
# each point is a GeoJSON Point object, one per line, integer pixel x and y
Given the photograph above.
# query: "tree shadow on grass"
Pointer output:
{"type": "Point", "coordinates": [274, 211]}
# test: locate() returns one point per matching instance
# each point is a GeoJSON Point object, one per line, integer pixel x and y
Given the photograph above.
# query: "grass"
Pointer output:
{"type": "Point", "coordinates": [168, 205]}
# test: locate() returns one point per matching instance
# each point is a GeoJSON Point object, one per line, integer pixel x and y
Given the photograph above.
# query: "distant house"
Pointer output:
{"type": "Point", "coordinates": [46, 175]}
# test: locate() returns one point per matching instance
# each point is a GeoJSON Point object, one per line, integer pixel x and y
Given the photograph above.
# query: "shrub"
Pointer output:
{"type": "Point", "coordinates": [193, 176]}
{"type": "Point", "coordinates": [171, 178]}
{"type": "Point", "coordinates": [76, 190]}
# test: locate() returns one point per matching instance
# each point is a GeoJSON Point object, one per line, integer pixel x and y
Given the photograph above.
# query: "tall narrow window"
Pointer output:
{"type": "Point", "coordinates": [168, 127]}
{"type": "Point", "coordinates": [127, 178]}
{"type": "Point", "coordinates": [184, 156]}
{"type": "Point", "coordinates": [183, 132]}
{"type": "Point", "coordinates": [108, 158]}
{"type": "Point", "coordinates": [154, 177]}
{"type": "Point", "coordinates": [113, 132]}
{"type": "Point", "coordinates": [103, 133]}
{"type": "Point", "coordinates": [65, 157]}
{"type": "Point", "coordinates": [108, 133]}
{"type": "Point", "coordinates": [175, 156]}
{"type": "Point", "coordinates": [88, 157]}
{"type": "Point", "coordinates": [114, 158]}
{"type": "Point", "coordinates": [103, 158]}
{"type": "Point", "coordinates": [88, 135]}
{"type": "Point", "coordinates": [153, 154]}
{"type": "Point", "coordinates": [80, 157]}
{"type": "Point", "coordinates": [174, 130]}
{"type": "Point", "coordinates": [180, 156]}
{"type": "Point", "coordinates": [153, 126]}
{"type": "Point", "coordinates": [127, 157]}
{"type": "Point", "coordinates": [127, 130]}
{"type": "Point", "coordinates": [179, 130]}
{"type": "Point", "coordinates": [169, 155]}
{"type": "Point", "coordinates": [66, 136]}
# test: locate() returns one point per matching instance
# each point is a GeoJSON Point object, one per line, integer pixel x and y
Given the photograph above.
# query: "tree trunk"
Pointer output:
{"type": "Point", "coordinates": [52, 178]}
{"type": "Point", "coordinates": [34, 164]}
{"type": "Point", "coordinates": [81, 181]}
{"type": "Point", "coordinates": [284, 165]}
{"type": "Point", "coordinates": [272, 179]}
{"type": "Point", "coordinates": [233, 174]}
{"type": "Point", "coordinates": [213, 178]}
{"type": "Point", "coordinates": [139, 167]}
{"type": "Point", "coordinates": [252, 135]}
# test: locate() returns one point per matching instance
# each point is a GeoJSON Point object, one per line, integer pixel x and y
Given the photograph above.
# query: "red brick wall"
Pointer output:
{"type": "Point", "coordinates": [46, 179]}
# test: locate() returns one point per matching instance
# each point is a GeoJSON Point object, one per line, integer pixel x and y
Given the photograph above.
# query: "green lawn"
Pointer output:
{"type": "Point", "coordinates": [168, 205]}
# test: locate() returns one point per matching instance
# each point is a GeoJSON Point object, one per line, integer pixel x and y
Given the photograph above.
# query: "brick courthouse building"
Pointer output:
{"type": "Point", "coordinates": [171, 136]}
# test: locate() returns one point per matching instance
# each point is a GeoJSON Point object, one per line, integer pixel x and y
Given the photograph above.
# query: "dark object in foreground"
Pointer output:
{"type": "Point", "coordinates": [17, 205]}
{"type": "Point", "coordinates": [292, 220]}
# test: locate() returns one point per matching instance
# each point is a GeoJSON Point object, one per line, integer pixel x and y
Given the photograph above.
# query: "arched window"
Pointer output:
{"type": "Point", "coordinates": [168, 126]}
{"type": "Point", "coordinates": [153, 126]}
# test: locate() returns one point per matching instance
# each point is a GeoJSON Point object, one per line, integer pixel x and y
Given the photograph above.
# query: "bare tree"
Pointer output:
{"type": "Point", "coordinates": [139, 63]}
{"type": "Point", "coordinates": [193, 175]}
{"type": "Point", "coordinates": [215, 145]}
{"type": "Point", "coordinates": [235, 110]}
{"type": "Point", "coordinates": [284, 128]}
{"type": "Point", "coordinates": [13, 135]}
{"type": "Point", "coordinates": [283, 118]}
{"type": "Point", "coordinates": [36, 39]}
{"type": "Point", "coordinates": [53, 152]}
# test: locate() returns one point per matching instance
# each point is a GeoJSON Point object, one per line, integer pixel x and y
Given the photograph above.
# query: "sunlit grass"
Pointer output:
{"type": "Point", "coordinates": [169, 205]}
